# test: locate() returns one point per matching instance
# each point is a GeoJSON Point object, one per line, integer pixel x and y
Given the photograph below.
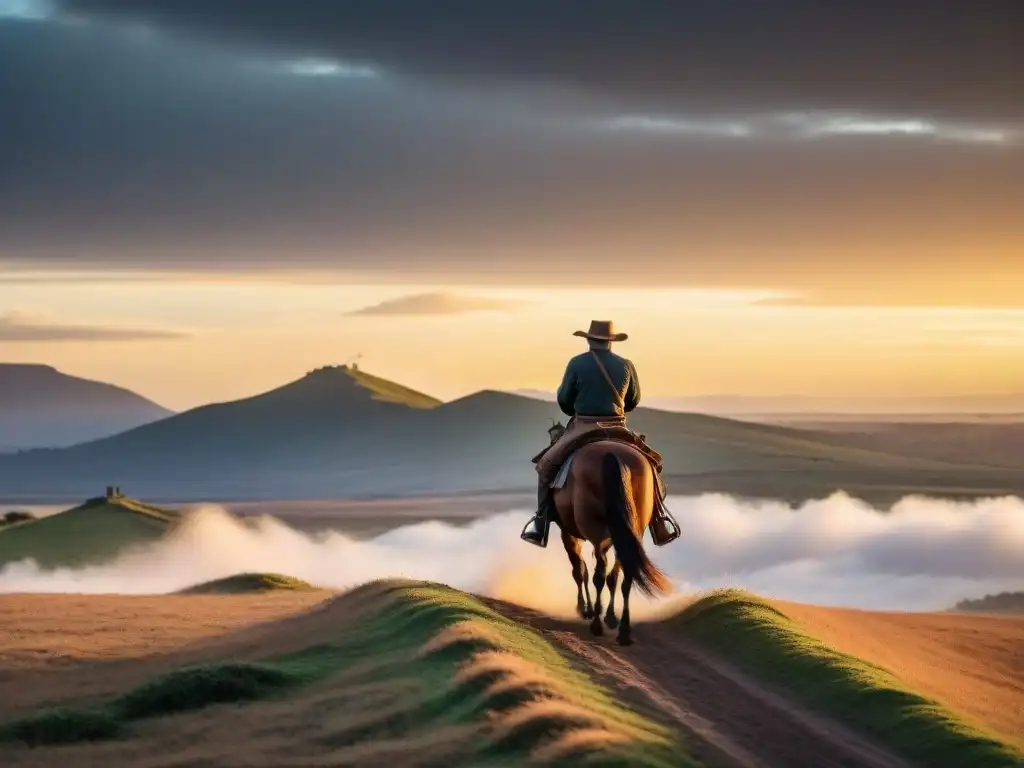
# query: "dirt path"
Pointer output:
{"type": "Point", "coordinates": [735, 721]}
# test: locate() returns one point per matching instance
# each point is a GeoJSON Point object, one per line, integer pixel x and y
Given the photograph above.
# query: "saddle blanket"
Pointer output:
{"type": "Point", "coordinates": [563, 472]}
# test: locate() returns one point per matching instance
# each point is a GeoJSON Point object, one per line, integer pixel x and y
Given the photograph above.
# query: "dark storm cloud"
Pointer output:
{"type": "Point", "coordinates": [700, 143]}
{"type": "Point", "coordinates": [24, 327]}
{"type": "Point", "coordinates": [435, 304]}
{"type": "Point", "coordinates": [914, 55]}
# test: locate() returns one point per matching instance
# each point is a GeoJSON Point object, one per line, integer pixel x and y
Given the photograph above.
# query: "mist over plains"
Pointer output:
{"type": "Point", "coordinates": [924, 554]}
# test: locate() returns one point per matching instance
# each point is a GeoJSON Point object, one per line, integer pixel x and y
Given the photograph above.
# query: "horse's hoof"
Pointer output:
{"type": "Point", "coordinates": [596, 627]}
{"type": "Point", "coordinates": [611, 621]}
{"type": "Point", "coordinates": [624, 639]}
{"type": "Point", "coordinates": [586, 614]}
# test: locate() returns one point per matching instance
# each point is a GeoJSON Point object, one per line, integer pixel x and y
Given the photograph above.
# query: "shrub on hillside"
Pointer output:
{"type": "Point", "coordinates": [1010, 602]}
{"type": "Point", "coordinates": [16, 516]}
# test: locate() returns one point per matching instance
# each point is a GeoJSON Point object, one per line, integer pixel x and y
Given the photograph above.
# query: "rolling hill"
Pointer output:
{"type": "Point", "coordinates": [339, 432]}
{"type": "Point", "coordinates": [92, 532]}
{"type": "Point", "coordinates": [416, 673]}
{"type": "Point", "coordinates": [42, 407]}
{"type": "Point", "coordinates": [798, 408]}
{"type": "Point", "coordinates": [999, 444]}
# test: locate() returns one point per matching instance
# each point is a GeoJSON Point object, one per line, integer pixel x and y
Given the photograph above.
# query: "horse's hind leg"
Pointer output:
{"type": "Point", "coordinates": [600, 569]}
{"type": "Point", "coordinates": [610, 620]}
{"type": "Point", "coordinates": [586, 588]}
{"type": "Point", "coordinates": [573, 548]}
{"type": "Point", "coordinates": [625, 629]}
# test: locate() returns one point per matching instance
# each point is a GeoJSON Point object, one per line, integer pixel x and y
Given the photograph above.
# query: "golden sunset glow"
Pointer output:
{"type": "Point", "coordinates": [230, 338]}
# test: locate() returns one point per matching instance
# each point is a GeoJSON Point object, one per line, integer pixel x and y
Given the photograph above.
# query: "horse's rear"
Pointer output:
{"type": "Point", "coordinates": [609, 501]}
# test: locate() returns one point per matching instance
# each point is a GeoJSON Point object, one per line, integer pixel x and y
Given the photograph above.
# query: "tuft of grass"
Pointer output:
{"type": "Point", "coordinates": [61, 726]}
{"type": "Point", "coordinates": [245, 583]}
{"type": "Point", "coordinates": [458, 666]}
{"type": "Point", "coordinates": [193, 688]}
{"type": "Point", "coordinates": [182, 690]}
{"type": "Point", "coordinates": [763, 641]}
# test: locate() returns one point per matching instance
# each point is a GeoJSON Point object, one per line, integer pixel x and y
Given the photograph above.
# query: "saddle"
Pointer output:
{"type": "Point", "coordinates": [616, 434]}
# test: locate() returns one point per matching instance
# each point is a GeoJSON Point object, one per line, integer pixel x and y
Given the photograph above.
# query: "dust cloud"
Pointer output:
{"type": "Point", "coordinates": [924, 554]}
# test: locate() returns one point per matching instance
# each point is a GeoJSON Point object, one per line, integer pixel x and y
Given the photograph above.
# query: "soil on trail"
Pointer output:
{"type": "Point", "coordinates": [733, 720]}
{"type": "Point", "coordinates": [974, 664]}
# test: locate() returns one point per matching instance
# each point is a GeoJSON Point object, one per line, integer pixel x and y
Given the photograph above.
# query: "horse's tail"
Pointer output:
{"type": "Point", "coordinates": [620, 511]}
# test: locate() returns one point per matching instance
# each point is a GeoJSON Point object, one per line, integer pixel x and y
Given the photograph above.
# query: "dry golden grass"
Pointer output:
{"type": "Point", "coordinates": [459, 633]}
{"type": "Point", "coordinates": [404, 694]}
{"type": "Point", "coordinates": [573, 743]}
{"type": "Point", "coordinates": [44, 630]}
{"type": "Point", "coordinates": [59, 648]}
{"type": "Point", "coordinates": [975, 664]}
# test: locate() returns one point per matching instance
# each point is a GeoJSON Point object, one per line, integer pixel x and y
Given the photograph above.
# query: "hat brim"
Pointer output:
{"type": "Point", "coordinates": [595, 337]}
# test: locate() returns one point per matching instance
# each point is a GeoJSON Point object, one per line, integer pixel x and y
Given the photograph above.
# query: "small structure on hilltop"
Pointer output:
{"type": "Point", "coordinates": [114, 493]}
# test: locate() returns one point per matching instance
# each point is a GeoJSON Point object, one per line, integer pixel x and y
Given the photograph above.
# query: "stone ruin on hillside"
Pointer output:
{"type": "Point", "coordinates": [114, 492]}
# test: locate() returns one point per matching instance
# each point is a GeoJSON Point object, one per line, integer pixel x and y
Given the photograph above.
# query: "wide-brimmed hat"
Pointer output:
{"type": "Point", "coordinates": [602, 330]}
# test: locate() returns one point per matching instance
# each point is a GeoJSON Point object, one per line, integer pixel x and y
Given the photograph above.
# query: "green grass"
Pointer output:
{"type": "Point", "coordinates": [181, 690]}
{"type": "Point", "coordinates": [61, 726]}
{"type": "Point", "coordinates": [456, 663]}
{"type": "Point", "coordinates": [193, 688]}
{"type": "Point", "coordinates": [763, 641]}
{"type": "Point", "coordinates": [244, 583]}
{"type": "Point", "coordinates": [91, 533]}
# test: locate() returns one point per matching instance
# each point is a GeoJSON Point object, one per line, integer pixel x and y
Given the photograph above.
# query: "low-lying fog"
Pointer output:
{"type": "Point", "coordinates": [924, 554]}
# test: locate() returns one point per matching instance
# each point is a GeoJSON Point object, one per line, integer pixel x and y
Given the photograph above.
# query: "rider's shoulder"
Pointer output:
{"type": "Point", "coordinates": [608, 354]}
{"type": "Point", "coordinates": [585, 359]}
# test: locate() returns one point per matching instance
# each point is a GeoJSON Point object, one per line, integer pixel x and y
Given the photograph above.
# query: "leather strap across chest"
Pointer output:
{"type": "Point", "coordinates": [604, 372]}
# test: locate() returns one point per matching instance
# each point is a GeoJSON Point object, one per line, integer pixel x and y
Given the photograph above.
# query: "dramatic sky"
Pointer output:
{"type": "Point", "coordinates": [203, 198]}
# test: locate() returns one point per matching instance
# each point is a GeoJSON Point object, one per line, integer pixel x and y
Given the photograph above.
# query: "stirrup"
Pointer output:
{"type": "Point", "coordinates": [536, 532]}
{"type": "Point", "coordinates": [663, 531]}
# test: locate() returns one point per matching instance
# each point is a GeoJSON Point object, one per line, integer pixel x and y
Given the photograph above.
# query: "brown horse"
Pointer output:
{"type": "Point", "coordinates": [608, 500]}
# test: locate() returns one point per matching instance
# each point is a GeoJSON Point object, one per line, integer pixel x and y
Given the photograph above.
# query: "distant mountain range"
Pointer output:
{"type": "Point", "coordinates": [800, 407]}
{"type": "Point", "coordinates": [42, 407]}
{"type": "Point", "coordinates": [339, 432]}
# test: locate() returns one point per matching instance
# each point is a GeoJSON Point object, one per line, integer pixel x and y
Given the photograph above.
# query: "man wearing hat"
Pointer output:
{"type": "Point", "coordinates": [598, 389]}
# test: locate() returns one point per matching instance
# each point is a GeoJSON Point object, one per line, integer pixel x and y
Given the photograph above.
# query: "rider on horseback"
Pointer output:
{"type": "Point", "coordinates": [598, 389]}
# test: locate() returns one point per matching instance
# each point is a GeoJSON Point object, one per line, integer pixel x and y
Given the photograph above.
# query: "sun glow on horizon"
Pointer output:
{"type": "Point", "coordinates": [238, 337]}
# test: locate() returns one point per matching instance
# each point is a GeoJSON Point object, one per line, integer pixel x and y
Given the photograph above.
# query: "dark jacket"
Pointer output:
{"type": "Point", "coordinates": [584, 390]}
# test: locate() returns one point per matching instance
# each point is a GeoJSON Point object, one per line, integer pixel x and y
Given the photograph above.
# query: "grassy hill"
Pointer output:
{"type": "Point", "coordinates": [416, 673]}
{"type": "Point", "coordinates": [765, 642]}
{"type": "Point", "coordinates": [339, 432]}
{"type": "Point", "coordinates": [998, 444]}
{"type": "Point", "coordinates": [92, 532]}
{"type": "Point", "coordinates": [392, 673]}
{"type": "Point", "coordinates": [248, 583]}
